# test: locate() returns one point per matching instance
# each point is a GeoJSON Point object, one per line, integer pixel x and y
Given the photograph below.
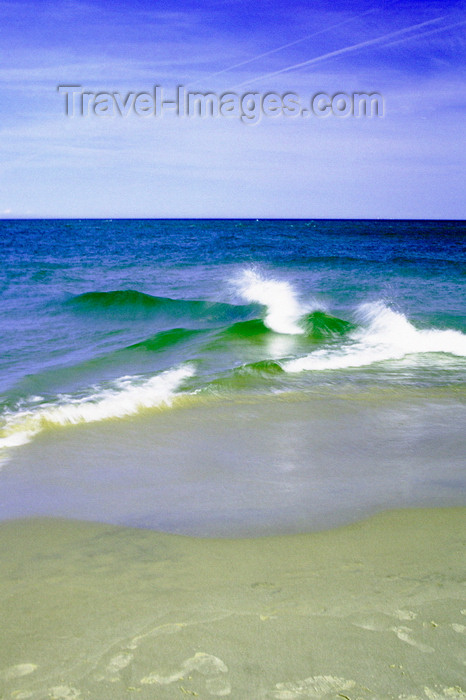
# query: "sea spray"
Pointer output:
{"type": "Point", "coordinates": [384, 334]}
{"type": "Point", "coordinates": [124, 397]}
{"type": "Point", "coordinates": [284, 310]}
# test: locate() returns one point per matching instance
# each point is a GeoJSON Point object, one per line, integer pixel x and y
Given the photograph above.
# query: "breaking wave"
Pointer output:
{"type": "Point", "coordinates": [123, 397]}
{"type": "Point", "coordinates": [283, 308]}
{"type": "Point", "coordinates": [383, 334]}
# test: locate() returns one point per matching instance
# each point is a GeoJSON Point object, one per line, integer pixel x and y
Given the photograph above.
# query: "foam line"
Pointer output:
{"type": "Point", "coordinates": [385, 335]}
{"type": "Point", "coordinates": [126, 396]}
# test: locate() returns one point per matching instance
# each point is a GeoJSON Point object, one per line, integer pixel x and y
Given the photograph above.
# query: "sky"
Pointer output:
{"type": "Point", "coordinates": [408, 163]}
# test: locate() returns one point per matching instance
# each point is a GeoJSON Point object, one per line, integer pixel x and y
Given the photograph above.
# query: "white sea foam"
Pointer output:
{"type": "Point", "coordinates": [124, 397]}
{"type": "Point", "coordinates": [385, 335]}
{"type": "Point", "coordinates": [283, 307]}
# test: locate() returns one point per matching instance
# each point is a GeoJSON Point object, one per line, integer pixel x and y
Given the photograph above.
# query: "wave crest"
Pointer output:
{"type": "Point", "coordinates": [385, 335]}
{"type": "Point", "coordinates": [284, 310]}
{"type": "Point", "coordinates": [126, 396]}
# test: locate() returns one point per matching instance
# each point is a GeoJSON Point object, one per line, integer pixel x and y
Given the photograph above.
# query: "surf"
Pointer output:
{"type": "Point", "coordinates": [382, 334]}
{"type": "Point", "coordinates": [283, 307]}
{"type": "Point", "coordinates": [121, 398]}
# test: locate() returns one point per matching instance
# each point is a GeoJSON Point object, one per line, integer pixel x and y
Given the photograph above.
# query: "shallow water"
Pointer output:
{"type": "Point", "coordinates": [247, 466]}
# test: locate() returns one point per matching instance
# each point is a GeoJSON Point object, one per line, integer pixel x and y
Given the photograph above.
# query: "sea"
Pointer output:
{"type": "Point", "coordinates": [231, 378]}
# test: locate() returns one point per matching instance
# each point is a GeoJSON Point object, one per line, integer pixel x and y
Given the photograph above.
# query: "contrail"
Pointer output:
{"type": "Point", "coordinates": [339, 52]}
{"type": "Point", "coordinates": [280, 48]}
{"type": "Point", "coordinates": [433, 31]}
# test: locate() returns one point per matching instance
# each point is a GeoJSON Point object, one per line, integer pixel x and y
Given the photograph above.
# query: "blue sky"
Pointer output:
{"type": "Point", "coordinates": [408, 164]}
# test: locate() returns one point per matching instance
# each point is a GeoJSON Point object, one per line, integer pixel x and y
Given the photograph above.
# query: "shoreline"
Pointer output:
{"type": "Point", "coordinates": [270, 465]}
{"type": "Point", "coordinates": [374, 609]}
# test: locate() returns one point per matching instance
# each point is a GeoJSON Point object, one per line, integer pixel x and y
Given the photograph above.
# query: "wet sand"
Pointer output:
{"type": "Point", "coordinates": [371, 610]}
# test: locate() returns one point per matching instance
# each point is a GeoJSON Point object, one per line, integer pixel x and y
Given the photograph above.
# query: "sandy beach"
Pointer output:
{"type": "Point", "coordinates": [371, 610]}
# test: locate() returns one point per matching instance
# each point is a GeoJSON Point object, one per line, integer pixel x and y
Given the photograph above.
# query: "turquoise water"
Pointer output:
{"type": "Point", "coordinates": [231, 377]}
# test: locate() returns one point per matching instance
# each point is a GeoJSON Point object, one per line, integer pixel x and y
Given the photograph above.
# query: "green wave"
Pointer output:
{"type": "Point", "coordinates": [316, 325]}
{"type": "Point", "coordinates": [319, 325]}
{"type": "Point", "coordinates": [262, 367]}
{"type": "Point", "coordinates": [253, 328]}
{"type": "Point", "coordinates": [164, 339]}
{"type": "Point", "coordinates": [261, 373]}
{"type": "Point", "coordinates": [132, 302]}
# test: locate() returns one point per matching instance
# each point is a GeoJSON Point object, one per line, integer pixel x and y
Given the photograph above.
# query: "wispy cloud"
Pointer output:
{"type": "Point", "coordinates": [345, 50]}
{"type": "Point", "coordinates": [172, 167]}
{"type": "Point", "coordinates": [278, 49]}
{"type": "Point", "coordinates": [423, 35]}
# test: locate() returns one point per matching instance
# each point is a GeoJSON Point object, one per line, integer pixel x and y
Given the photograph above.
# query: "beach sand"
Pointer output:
{"type": "Point", "coordinates": [375, 609]}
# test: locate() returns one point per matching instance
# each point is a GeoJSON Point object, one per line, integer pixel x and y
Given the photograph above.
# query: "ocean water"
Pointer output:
{"type": "Point", "coordinates": [231, 377]}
